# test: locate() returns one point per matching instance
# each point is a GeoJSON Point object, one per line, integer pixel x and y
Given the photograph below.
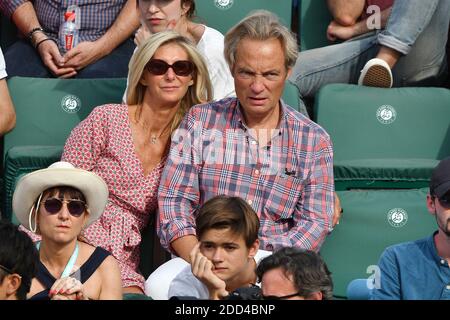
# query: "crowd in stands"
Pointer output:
{"type": "Point", "coordinates": [240, 184]}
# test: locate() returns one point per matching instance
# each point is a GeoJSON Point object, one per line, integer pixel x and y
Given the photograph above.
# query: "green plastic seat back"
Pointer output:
{"type": "Point", "coordinates": [374, 123]}
{"type": "Point", "coordinates": [48, 109]}
{"type": "Point", "coordinates": [223, 14]}
{"type": "Point", "coordinates": [372, 221]}
{"type": "Point", "coordinates": [314, 18]}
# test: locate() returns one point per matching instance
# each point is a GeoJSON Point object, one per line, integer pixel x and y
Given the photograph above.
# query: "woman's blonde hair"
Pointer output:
{"type": "Point", "coordinates": [199, 92]}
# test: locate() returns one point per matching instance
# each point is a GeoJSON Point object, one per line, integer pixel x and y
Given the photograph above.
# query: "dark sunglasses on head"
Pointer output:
{"type": "Point", "coordinates": [76, 207]}
{"type": "Point", "coordinates": [7, 270]}
{"type": "Point", "coordinates": [181, 68]}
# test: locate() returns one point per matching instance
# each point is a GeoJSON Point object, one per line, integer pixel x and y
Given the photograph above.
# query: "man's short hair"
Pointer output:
{"type": "Point", "coordinates": [19, 255]}
{"type": "Point", "coordinates": [223, 212]}
{"type": "Point", "coordinates": [261, 25]}
{"type": "Point", "coordinates": [309, 271]}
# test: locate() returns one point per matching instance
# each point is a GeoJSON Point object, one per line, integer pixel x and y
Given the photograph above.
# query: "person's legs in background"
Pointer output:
{"type": "Point", "coordinates": [23, 60]}
{"type": "Point", "coordinates": [412, 43]}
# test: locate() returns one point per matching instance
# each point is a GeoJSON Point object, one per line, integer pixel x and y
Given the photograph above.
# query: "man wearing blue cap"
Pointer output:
{"type": "Point", "coordinates": [420, 270]}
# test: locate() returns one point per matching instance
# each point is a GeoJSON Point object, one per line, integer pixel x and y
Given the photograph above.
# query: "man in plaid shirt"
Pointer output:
{"type": "Point", "coordinates": [253, 146]}
{"type": "Point", "coordinates": [104, 47]}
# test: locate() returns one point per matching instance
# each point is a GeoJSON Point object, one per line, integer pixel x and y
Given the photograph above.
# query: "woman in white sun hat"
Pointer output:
{"type": "Point", "coordinates": [57, 203]}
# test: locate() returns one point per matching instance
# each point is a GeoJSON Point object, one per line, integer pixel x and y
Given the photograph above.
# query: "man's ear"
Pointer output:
{"type": "Point", "coordinates": [430, 204]}
{"type": "Point", "coordinates": [315, 296]}
{"type": "Point", "coordinates": [253, 249]}
{"type": "Point", "coordinates": [289, 72]}
{"type": "Point", "coordinates": [13, 282]}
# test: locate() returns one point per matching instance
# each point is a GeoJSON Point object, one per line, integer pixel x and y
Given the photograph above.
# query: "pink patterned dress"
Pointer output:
{"type": "Point", "coordinates": [103, 144]}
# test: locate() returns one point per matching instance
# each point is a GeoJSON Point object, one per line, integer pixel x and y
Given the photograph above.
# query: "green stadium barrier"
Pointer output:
{"type": "Point", "coordinates": [373, 220]}
{"type": "Point", "coordinates": [385, 138]}
{"type": "Point", "coordinates": [224, 14]}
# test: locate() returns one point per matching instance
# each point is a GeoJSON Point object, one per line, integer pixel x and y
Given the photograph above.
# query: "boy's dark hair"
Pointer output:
{"type": "Point", "coordinates": [224, 212]}
{"type": "Point", "coordinates": [308, 269]}
{"type": "Point", "coordinates": [19, 255]}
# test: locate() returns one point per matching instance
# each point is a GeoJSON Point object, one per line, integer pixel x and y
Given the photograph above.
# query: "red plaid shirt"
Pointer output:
{"type": "Point", "coordinates": [289, 182]}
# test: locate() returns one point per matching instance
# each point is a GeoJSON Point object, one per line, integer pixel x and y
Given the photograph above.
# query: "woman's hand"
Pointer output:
{"type": "Point", "coordinates": [67, 288]}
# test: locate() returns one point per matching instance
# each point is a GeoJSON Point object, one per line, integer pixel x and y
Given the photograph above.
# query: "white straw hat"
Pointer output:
{"type": "Point", "coordinates": [59, 174]}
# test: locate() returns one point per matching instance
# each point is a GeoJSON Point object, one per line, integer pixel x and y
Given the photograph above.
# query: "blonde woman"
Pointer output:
{"type": "Point", "coordinates": [178, 15]}
{"type": "Point", "coordinates": [127, 145]}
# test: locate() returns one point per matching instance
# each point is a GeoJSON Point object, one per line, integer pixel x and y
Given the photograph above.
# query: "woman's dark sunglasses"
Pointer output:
{"type": "Point", "coordinates": [6, 269]}
{"type": "Point", "coordinates": [181, 68]}
{"type": "Point", "coordinates": [76, 207]}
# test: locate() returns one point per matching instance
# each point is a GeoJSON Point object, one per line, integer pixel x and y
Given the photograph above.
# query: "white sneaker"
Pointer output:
{"type": "Point", "coordinates": [376, 73]}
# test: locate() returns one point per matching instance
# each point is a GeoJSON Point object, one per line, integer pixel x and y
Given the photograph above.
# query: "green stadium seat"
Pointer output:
{"type": "Point", "coordinates": [372, 221]}
{"type": "Point", "coordinates": [385, 138]}
{"type": "Point", "coordinates": [314, 19]}
{"type": "Point", "coordinates": [47, 110]}
{"type": "Point", "coordinates": [22, 160]}
{"type": "Point", "coordinates": [223, 14]}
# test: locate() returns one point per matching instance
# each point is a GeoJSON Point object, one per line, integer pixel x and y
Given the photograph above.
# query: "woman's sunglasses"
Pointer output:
{"type": "Point", "coordinates": [76, 207]}
{"type": "Point", "coordinates": [181, 68]}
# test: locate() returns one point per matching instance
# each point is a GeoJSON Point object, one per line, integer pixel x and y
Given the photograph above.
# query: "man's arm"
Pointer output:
{"type": "Point", "coordinates": [387, 284]}
{"type": "Point", "coordinates": [178, 194]}
{"type": "Point", "coordinates": [8, 115]}
{"type": "Point", "coordinates": [338, 31]}
{"type": "Point", "coordinates": [25, 18]}
{"type": "Point", "coordinates": [346, 12]}
{"type": "Point", "coordinates": [86, 53]}
{"type": "Point", "coordinates": [183, 246]}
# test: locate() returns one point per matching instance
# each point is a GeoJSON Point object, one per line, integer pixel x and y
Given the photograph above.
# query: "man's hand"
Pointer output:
{"type": "Point", "coordinates": [84, 54]}
{"type": "Point", "coordinates": [336, 31]}
{"type": "Point", "coordinates": [51, 57]}
{"type": "Point", "coordinates": [202, 269]}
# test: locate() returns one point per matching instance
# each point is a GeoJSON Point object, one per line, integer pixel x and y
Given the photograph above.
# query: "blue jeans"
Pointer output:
{"type": "Point", "coordinates": [23, 60]}
{"type": "Point", "coordinates": [416, 28]}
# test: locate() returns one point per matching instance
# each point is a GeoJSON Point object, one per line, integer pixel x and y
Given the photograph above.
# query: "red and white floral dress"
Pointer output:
{"type": "Point", "coordinates": [103, 144]}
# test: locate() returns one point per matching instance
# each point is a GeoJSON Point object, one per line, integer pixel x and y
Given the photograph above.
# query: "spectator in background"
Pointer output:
{"type": "Point", "coordinates": [253, 147]}
{"type": "Point", "coordinates": [419, 270]}
{"type": "Point", "coordinates": [8, 115]}
{"type": "Point", "coordinates": [227, 254]}
{"type": "Point", "coordinates": [408, 51]}
{"type": "Point", "coordinates": [56, 203]}
{"type": "Point", "coordinates": [294, 274]}
{"type": "Point", "coordinates": [157, 16]}
{"type": "Point", "coordinates": [127, 145]}
{"type": "Point", "coordinates": [104, 47]}
{"type": "Point", "coordinates": [18, 262]}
